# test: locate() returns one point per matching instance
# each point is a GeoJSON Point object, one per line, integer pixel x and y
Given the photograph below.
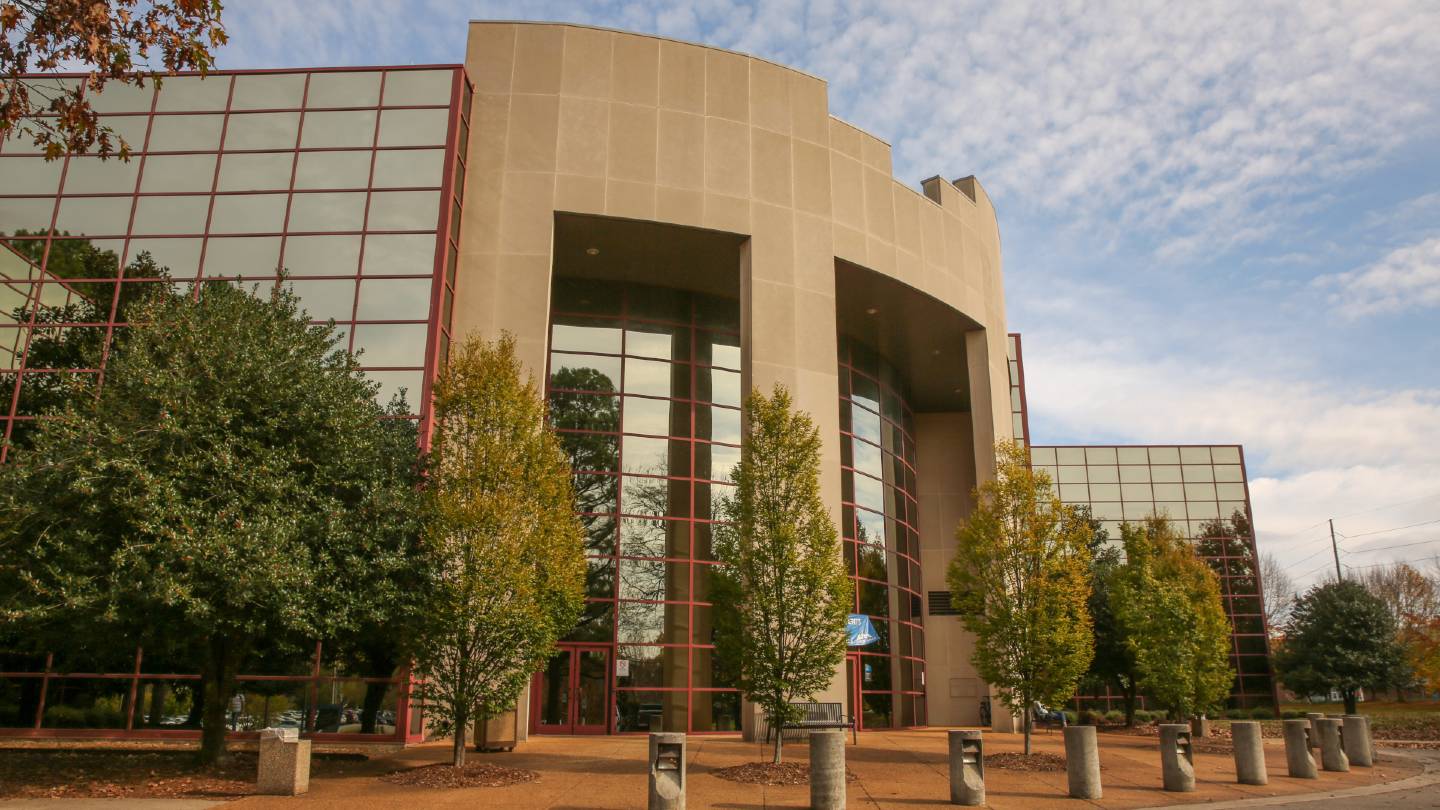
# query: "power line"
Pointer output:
{"type": "Point", "coordinates": [1394, 529]}
{"type": "Point", "coordinates": [1393, 562]}
{"type": "Point", "coordinates": [1399, 545]}
{"type": "Point", "coordinates": [1383, 507]}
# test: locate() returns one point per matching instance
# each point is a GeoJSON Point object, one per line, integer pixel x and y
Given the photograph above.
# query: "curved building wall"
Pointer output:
{"type": "Point", "coordinates": [575, 120]}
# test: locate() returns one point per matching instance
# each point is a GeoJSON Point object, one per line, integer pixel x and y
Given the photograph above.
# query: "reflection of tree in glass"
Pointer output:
{"type": "Point", "coordinates": [1227, 538]}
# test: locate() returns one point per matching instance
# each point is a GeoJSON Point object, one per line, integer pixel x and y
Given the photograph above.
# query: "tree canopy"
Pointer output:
{"type": "Point", "coordinates": [499, 521]}
{"type": "Point", "coordinates": [1168, 601]}
{"type": "Point", "coordinates": [780, 565]}
{"type": "Point", "coordinates": [1340, 636]}
{"type": "Point", "coordinates": [1021, 580]}
{"type": "Point", "coordinates": [232, 480]}
{"type": "Point", "coordinates": [116, 41]}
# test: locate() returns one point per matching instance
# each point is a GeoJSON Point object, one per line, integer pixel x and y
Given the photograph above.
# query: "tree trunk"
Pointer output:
{"type": "Point", "coordinates": [370, 707]}
{"type": "Point", "coordinates": [222, 660]}
{"type": "Point", "coordinates": [158, 693]}
{"type": "Point", "coordinates": [458, 748]}
{"type": "Point", "coordinates": [1349, 695]}
{"type": "Point", "coordinates": [1029, 721]}
{"type": "Point", "coordinates": [1129, 693]}
{"type": "Point", "coordinates": [779, 737]}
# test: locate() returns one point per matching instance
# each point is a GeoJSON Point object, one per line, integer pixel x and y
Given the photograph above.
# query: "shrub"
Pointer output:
{"type": "Point", "coordinates": [1262, 713]}
{"type": "Point", "coordinates": [1071, 718]}
{"type": "Point", "coordinates": [1143, 716]}
{"type": "Point", "coordinates": [1091, 717]}
{"type": "Point", "coordinates": [1235, 714]}
{"type": "Point", "coordinates": [1115, 717]}
{"type": "Point", "coordinates": [1291, 714]}
{"type": "Point", "coordinates": [64, 717]}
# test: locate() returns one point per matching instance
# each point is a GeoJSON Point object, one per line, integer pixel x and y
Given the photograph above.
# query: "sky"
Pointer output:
{"type": "Point", "coordinates": [1220, 221]}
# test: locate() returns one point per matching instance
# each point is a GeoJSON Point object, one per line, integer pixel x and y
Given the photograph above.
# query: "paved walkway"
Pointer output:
{"type": "Point", "coordinates": [895, 770]}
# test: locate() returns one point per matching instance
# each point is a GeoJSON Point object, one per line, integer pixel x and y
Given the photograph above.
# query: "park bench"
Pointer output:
{"type": "Point", "coordinates": [818, 716]}
{"type": "Point", "coordinates": [1043, 720]}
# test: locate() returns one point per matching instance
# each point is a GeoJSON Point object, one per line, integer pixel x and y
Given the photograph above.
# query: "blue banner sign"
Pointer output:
{"type": "Point", "coordinates": [860, 630]}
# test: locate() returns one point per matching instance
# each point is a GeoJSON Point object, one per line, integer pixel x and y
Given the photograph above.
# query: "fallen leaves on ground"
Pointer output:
{"type": "Point", "coordinates": [467, 776]}
{"type": "Point", "coordinates": [770, 773]}
{"type": "Point", "coordinates": [1034, 763]}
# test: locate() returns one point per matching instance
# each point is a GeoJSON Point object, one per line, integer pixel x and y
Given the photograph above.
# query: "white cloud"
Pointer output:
{"type": "Point", "coordinates": [1406, 278]}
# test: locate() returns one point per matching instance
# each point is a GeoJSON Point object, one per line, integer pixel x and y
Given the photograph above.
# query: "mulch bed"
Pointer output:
{"type": "Point", "coordinates": [467, 776]}
{"type": "Point", "coordinates": [769, 773]}
{"type": "Point", "coordinates": [1037, 762]}
{"type": "Point", "coordinates": [114, 773]}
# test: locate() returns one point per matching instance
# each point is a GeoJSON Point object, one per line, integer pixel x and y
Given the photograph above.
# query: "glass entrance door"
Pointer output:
{"type": "Point", "coordinates": [852, 689]}
{"type": "Point", "coordinates": [572, 694]}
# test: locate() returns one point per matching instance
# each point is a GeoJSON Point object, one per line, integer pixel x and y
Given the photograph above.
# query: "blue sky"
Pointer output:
{"type": "Point", "coordinates": [1220, 220]}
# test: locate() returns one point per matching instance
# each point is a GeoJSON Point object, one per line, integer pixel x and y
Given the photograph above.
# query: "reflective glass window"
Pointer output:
{"type": "Point", "coordinates": [404, 210]}
{"type": "Point", "coordinates": [193, 94]}
{"type": "Point", "coordinates": [333, 170]}
{"type": "Point", "coordinates": [185, 133]}
{"type": "Point", "coordinates": [414, 168]}
{"type": "Point", "coordinates": [391, 344]}
{"type": "Point", "coordinates": [91, 216]}
{"type": "Point", "coordinates": [401, 299]}
{"type": "Point", "coordinates": [400, 254]}
{"type": "Point", "coordinates": [178, 173]}
{"type": "Point", "coordinates": [659, 417]}
{"type": "Point", "coordinates": [352, 128]}
{"type": "Point", "coordinates": [262, 171]}
{"type": "Point", "coordinates": [181, 256]}
{"type": "Point", "coordinates": [30, 175]}
{"type": "Point", "coordinates": [327, 212]}
{"type": "Point", "coordinates": [262, 131]}
{"type": "Point", "coordinates": [30, 214]}
{"type": "Point", "coordinates": [268, 91]}
{"type": "Point", "coordinates": [648, 377]}
{"type": "Point", "coordinates": [248, 213]}
{"type": "Point", "coordinates": [397, 383]}
{"type": "Point", "coordinates": [413, 88]}
{"type": "Point", "coordinates": [414, 127]}
{"type": "Point", "coordinates": [343, 89]}
{"type": "Point", "coordinates": [323, 300]}
{"type": "Point", "coordinates": [584, 372]}
{"type": "Point", "coordinates": [322, 255]}
{"type": "Point", "coordinates": [242, 256]}
{"type": "Point", "coordinates": [118, 97]}
{"type": "Point", "coordinates": [180, 214]}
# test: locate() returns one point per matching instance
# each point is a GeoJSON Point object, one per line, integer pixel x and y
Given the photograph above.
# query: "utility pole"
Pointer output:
{"type": "Point", "coordinates": [1336, 550]}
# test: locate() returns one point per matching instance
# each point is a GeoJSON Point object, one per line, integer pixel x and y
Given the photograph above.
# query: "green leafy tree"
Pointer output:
{"type": "Point", "coordinates": [1113, 665]}
{"type": "Point", "coordinates": [1340, 636]}
{"type": "Point", "coordinates": [781, 565]}
{"type": "Point", "coordinates": [1168, 602]}
{"type": "Point", "coordinates": [231, 481]}
{"type": "Point", "coordinates": [499, 515]}
{"type": "Point", "coordinates": [1020, 579]}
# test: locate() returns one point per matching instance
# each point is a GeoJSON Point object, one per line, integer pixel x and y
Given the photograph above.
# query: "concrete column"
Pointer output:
{"type": "Point", "coordinates": [1199, 727]}
{"type": "Point", "coordinates": [1249, 753]}
{"type": "Point", "coordinates": [284, 763]}
{"type": "Point", "coordinates": [1332, 749]}
{"type": "Point", "coordinates": [827, 769]}
{"type": "Point", "coordinates": [1082, 762]}
{"type": "Point", "coordinates": [1298, 761]}
{"type": "Point", "coordinates": [1177, 757]}
{"type": "Point", "coordinates": [1355, 734]}
{"type": "Point", "coordinates": [667, 771]}
{"type": "Point", "coordinates": [967, 768]}
{"type": "Point", "coordinates": [1311, 717]}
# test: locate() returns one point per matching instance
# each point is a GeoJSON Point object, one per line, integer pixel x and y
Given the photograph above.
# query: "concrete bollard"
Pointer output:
{"type": "Point", "coordinates": [1332, 748]}
{"type": "Point", "coordinates": [284, 763]}
{"type": "Point", "coordinates": [667, 771]}
{"type": "Point", "coordinates": [1298, 761]}
{"type": "Point", "coordinates": [1249, 753]}
{"type": "Point", "coordinates": [1082, 762]}
{"type": "Point", "coordinates": [967, 768]}
{"type": "Point", "coordinates": [1311, 717]}
{"type": "Point", "coordinates": [827, 769]}
{"type": "Point", "coordinates": [1355, 734]}
{"type": "Point", "coordinates": [1177, 757]}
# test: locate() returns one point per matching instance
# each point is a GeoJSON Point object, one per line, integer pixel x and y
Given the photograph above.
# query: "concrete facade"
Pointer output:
{"type": "Point", "coordinates": [571, 120]}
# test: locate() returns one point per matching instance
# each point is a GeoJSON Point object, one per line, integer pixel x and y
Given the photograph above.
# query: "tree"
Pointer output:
{"type": "Point", "coordinates": [499, 519]}
{"type": "Point", "coordinates": [1340, 636]}
{"type": "Point", "coordinates": [1414, 603]}
{"type": "Point", "coordinates": [115, 40]}
{"type": "Point", "coordinates": [1279, 593]}
{"type": "Point", "coordinates": [1169, 603]}
{"type": "Point", "coordinates": [1020, 579]}
{"type": "Point", "coordinates": [231, 481]}
{"type": "Point", "coordinates": [1113, 664]}
{"type": "Point", "coordinates": [780, 561]}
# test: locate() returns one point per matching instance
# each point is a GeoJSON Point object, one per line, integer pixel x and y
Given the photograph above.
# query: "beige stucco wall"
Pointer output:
{"type": "Point", "coordinates": [583, 120]}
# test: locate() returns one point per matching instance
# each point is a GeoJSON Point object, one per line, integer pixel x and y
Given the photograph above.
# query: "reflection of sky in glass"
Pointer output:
{"type": "Point", "coordinates": [651, 416]}
{"type": "Point", "coordinates": [651, 343]}
{"type": "Point", "coordinates": [566, 370]}
{"type": "Point", "coordinates": [864, 424]}
{"type": "Point", "coordinates": [724, 387]}
{"type": "Point", "coordinates": [722, 461]}
{"type": "Point", "coordinates": [570, 338]}
{"type": "Point", "coordinates": [867, 458]}
{"type": "Point", "coordinates": [725, 425]}
{"type": "Point", "coordinates": [645, 455]}
{"type": "Point", "coordinates": [650, 377]}
{"type": "Point", "coordinates": [869, 493]}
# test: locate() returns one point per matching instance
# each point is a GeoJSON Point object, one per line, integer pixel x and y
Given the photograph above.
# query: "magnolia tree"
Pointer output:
{"type": "Point", "coordinates": [1168, 602]}
{"type": "Point", "coordinates": [1020, 579]}
{"type": "Point", "coordinates": [232, 481]}
{"type": "Point", "coordinates": [499, 521]}
{"type": "Point", "coordinates": [780, 565]}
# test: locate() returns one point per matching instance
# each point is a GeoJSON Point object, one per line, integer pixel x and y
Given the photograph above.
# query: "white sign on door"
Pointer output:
{"type": "Point", "coordinates": [622, 667]}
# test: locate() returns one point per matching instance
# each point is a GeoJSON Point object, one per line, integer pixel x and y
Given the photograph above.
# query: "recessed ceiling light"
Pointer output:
{"type": "Point", "coordinates": [934, 352]}
{"type": "Point", "coordinates": [871, 310]}
{"type": "Point", "coordinates": [592, 251]}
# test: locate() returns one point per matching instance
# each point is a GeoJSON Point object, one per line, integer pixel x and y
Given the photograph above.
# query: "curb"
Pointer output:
{"type": "Point", "coordinates": [1429, 776]}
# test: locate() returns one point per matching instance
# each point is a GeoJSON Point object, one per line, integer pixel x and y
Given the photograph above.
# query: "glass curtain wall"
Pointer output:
{"type": "Point", "coordinates": [882, 544]}
{"type": "Point", "coordinates": [644, 386]}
